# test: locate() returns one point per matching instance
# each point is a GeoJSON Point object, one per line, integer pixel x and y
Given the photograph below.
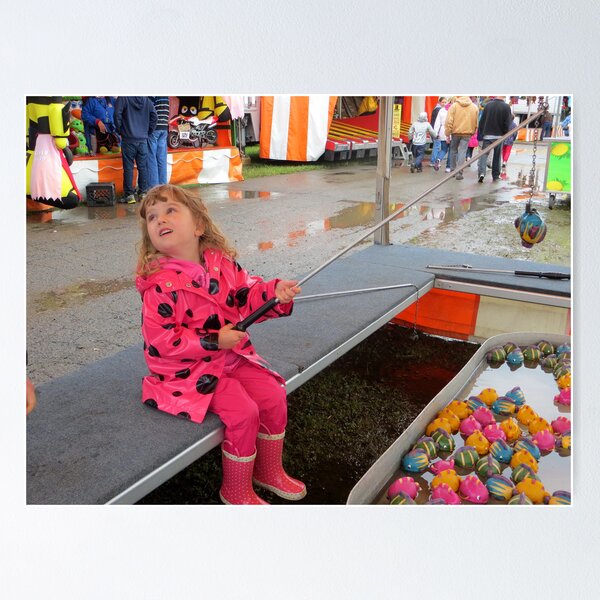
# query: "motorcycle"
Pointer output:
{"type": "Point", "coordinates": [191, 131]}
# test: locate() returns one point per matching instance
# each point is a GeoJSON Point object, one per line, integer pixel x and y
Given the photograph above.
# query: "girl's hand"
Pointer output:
{"type": "Point", "coordinates": [286, 290]}
{"type": "Point", "coordinates": [228, 338]}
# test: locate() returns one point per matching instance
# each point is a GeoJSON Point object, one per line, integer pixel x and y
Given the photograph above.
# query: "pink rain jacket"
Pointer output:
{"type": "Point", "coordinates": [180, 323]}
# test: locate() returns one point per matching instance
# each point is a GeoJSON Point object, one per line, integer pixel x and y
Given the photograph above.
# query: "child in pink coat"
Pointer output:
{"type": "Point", "coordinates": [193, 293]}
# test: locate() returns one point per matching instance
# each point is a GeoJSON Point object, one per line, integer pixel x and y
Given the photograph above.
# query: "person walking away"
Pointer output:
{"type": "Point", "coordinates": [437, 143]}
{"type": "Point", "coordinates": [135, 120]}
{"type": "Point", "coordinates": [460, 126]}
{"type": "Point", "coordinates": [507, 145]}
{"type": "Point", "coordinates": [193, 291]}
{"type": "Point", "coordinates": [546, 124]}
{"type": "Point", "coordinates": [496, 120]}
{"type": "Point", "coordinates": [157, 143]}
{"type": "Point", "coordinates": [418, 135]}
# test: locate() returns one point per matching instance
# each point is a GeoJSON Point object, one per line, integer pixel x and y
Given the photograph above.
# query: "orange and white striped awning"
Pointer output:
{"type": "Point", "coordinates": [295, 127]}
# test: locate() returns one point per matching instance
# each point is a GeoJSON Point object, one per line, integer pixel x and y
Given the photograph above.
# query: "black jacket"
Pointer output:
{"type": "Point", "coordinates": [496, 119]}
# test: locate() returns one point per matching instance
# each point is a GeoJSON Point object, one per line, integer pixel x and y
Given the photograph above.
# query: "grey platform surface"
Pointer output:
{"type": "Point", "coordinates": [91, 438]}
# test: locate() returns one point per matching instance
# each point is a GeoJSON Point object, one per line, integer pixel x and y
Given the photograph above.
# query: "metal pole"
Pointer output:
{"type": "Point", "coordinates": [407, 206]}
{"type": "Point", "coordinates": [346, 292]}
{"type": "Point", "coordinates": [384, 169]}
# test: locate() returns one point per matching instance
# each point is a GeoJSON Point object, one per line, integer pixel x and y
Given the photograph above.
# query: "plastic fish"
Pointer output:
{"type": "Point", "coordinates": [428, 444]}
{"type": "Point", "coordinates": [544, 440]}
{"type": "Point", "coordinates": [474, 402]}
{"type": "Point", "coordinates": [521, 471]}
{"type": "Point", "coordinates": [459, 408]}
{"type": "Point", "coordinates": [517, 395]}
{"type": "Point", "coordinates": [549, 362]}
{"type": "Point", "coordinates": [520, 499]}
{"type": "Point", "coordinates": [546, 347]}
{"type": "Point", "coordinates": [406, 485]}
{"type": "Point", "coordinates": [478, 441]}
{"type": "Point", "coordinates": [564, 442]}
{"type": "Point", "coordinates": [561, 369]}
{"type": "Point", "coordinates": [527, 444]}
{"type": "Point", "coordinates": [466, 457]}
{"type": "Point", "coordinates": [532, 353]}
{"type": "Point", "coordinates": [563, 348]}
{"type": "Point", "coordinates": [441, 465]}
{"type": "Point", "coordinates": [496, 354]}
{"type": "Point", "coordinates": [493, 432]}
{"type": "Point", "coordinates": [483, 415]}
{"type": "Point", "coordinates": [515, 357]}
{"type": "Point", "coordinates": [564, 381]}
{"type": "Point", "coordinates": [509, 347]}
{"type": "Point", "coordinates": [469, 425]}
{"type": "Point", "coordinates": [523, 457]}
{"type": "Point", "coordinates": [488, 466]}
{"type": "Point", "coordinates": [473, 490]}
{"type": "Point", "coordinates": [449, 477]}
{"type": "Point", "coordinates": [436, 501]}
{"type": "Point", "coordinates": [511, 429]}
{"type": "Point", "coordinates": [533, 489]}
{"type": "Point", "coordinates": [538, 424]}
{"type": "Point", "coordinates": [560, 497]}
{"type": "Point", "coordinates": [488, 395]}
{"type": "Point", "coordinates": [446, 413]}
{"type": "Point", "coordinates": [444, 440]}
{"type": "Point", "coordinates": [439, 423]}
{"type": "Point", "coordinates": [563, 397]}
{"type": "Point", "coordinates": [504, 406]}
{"type": "Point", "coordinates": [415, 461]}
{"type": "Point", "coordinates": [447, 494]}
{"type": "Point", "coordinates": [402, 498]}
{"type": "Point", "coordinates": [500, 487]}
{"type": "Point", "coordinates": [526, 414]}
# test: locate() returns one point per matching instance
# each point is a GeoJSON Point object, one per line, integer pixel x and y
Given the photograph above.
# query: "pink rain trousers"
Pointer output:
{"type": "Point", "coordinates": [246, 398]}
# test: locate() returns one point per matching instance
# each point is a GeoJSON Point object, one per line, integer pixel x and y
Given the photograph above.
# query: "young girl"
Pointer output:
{"type": "Point", "coordinates": [193, 293]}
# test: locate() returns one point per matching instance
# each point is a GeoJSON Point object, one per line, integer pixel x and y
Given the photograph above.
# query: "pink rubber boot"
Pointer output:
{"type": "Point", "coordinates": [268, 470]}
{"type": "Point", "coordinates": [236, 487]}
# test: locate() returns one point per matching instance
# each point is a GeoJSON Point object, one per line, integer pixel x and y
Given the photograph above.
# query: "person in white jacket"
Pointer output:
{"type": "Point", "coordinates": [418, 134]}
{"type": "Point", "coordinates": [440, 131]}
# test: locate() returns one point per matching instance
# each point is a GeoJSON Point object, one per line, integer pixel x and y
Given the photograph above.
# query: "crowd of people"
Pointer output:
{"type": "Point", "coordinates": [138, 125]}
{"type": "Point", "coordinates": [459, 125]}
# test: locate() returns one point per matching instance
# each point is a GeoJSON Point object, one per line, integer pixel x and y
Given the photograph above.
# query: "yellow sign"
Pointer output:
{"type": "Point", "coordinates": [397, 120]}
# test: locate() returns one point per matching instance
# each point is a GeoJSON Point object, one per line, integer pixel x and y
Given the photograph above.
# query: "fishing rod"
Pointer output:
{"type": "Point", "coordinates": [259, 312]}
{"type": "Point", "coordinates": [546, 274]}
{"type": "Point", "coordinates": [347, 292]}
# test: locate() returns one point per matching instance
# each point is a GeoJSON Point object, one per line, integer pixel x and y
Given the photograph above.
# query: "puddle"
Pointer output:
{"type": "Point", "coordinates": [77, 294]}
{"type": "Point", "coordinates": [243, 194]}
{"type": "Point", "coordinates": [83, 213]}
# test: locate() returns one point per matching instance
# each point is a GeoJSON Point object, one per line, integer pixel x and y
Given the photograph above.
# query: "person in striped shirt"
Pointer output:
{"type": "Point", "coordinates": [157, 143]}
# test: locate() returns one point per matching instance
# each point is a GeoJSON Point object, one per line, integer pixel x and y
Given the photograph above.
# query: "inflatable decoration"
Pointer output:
{"type": "Point", "coordinates": [515, 357]}
{"type": "Point", "coordinates": [526, 444]}
{"type": "Point", "coordinates": [402, 498]}
{"type": "Point", "coordinates": [521, 471]}
{"type": "Point", "coordinates": [474, 402]}
{"type": "Point", "coordinates": [517, 395]}
{"type": "Point", "coordinates": [560, 497]}
{"type": "Point", "coordinates": [48, 177]}
{"type": "Point", "coordinates": [448, 477]}
{"type": "Point", "coordinates": [496, 354]}
{"type": "Point", "coordinates": [493, 432]}
{"type": "Point", "coordinates": [531, 228]}
{"type": "Point", "coordinates": [549, 362]}
{"type": "Point", "coordinates": [484, 416]}
{"type": "Point", "coordinates": [520, 499]}
{"type": "Point", "coordinates": [473, 490]}
{"type": "Point", "coordinates": [415, 461]}
{"type": "Point", "coordinates": [544, 440]}
{"type": "Point", "coordinates": [441, 465]}
{"type": "Point", "coordinates": [538, 424]}
{"type": "Point", "coordinates": [546, 347]}
{"type": "Point", "coordinates": [454, 421]}
{"type": "Point", "coordinates": [532, 353]}
{"type": "Point", "coordinates": [428, 444]}
{"type": "Point", "coordinates": [446, 493]}
{"type": "Point", "coordinates": [563, 397]}
{"type": "Point", "coordinates": [439, 423]}
{"type": "Point", "coordinates": [511, 429]}
{"type": "Point", "coordinates": [478, 441]}
{"type": "Point", "coordinates": [500, 487]}
{"type": "Point", "coordinates": [459, 408]}
{"type": "Point", "coordinates": [523, 457]}
{"type": "Point", "coordinates": [501, 451]}
{"type": "Point", "coordinates": [488, 466]}
{"type": "Point", "coordinates": [533, 489]}
{"type": "Point", "coordinates": [406, 485]}
{"type": "Point", "coordinates": [469, 425]}
{"type": "Point", "coordinates": [443, 439]}
{"type": "Point", "coordinates": [564, 442]}
{"type": "Point", "coordinates": [564, 382]}
{"type": "Point", "coordinates": [488, 396]}
{"type": "Point", "coordinates": [509, 347]}
{"type": "Point", "coordinates": [504, 406]}
{"type": "Point", "coordinates": [466, 457]}
{"type": "Point", "coordinates": [526, 414]}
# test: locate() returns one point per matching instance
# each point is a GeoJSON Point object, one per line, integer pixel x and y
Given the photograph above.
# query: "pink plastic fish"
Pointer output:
{"type": "Point", "coordinates": [405, 484]}
{"type": "Point", "coordinates": [469, 425]}
{"type": "Point", "coordinates": [445, 492]}
{"type": "Point", "coordinates": [441, 465]}
{"type": "Point", "coordinates": [544, 440]}
{"type": "Point", "coordinates": [473, 490]}
{"type": "Point", "coordinates": [483, 415]}
{"type": "Point", "coordinates": [563, 397]}
{"type": "Point", "coordinates": [561, 425]}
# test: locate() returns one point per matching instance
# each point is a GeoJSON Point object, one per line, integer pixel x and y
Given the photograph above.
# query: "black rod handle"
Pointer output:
{"type": "Point", "coordinates": [257, 314]}
{"type": "Point", "coordinates": [547, 274]}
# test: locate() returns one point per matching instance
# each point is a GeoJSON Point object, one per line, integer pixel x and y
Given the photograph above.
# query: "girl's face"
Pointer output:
{"type": "Point", "coordinates": [173, 230]}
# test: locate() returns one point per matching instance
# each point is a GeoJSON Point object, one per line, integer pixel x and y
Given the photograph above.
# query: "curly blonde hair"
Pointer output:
{"type": "Point", "coordinates": [211, 238]}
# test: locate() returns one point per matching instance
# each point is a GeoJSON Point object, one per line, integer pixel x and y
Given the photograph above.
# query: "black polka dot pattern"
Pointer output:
{"type": "Point", "coordinates": [151, 403]}
{"type": "Point", "coordinates": [207, 384]}
{"type": "Point", "coordinates": [174, 296]}
{"type": "Point", "coordinates": [195, 283]}
{"type": "Point", "coordinates": [177, 342]}
{"type": "Point", "coordinates": [212, 323]}
{"type": "Point", "coordinates": [183, 374]}
{"type": "Point", "coordinates": [168, 326]}
{"type": "Point", "coordinates": [230, 301]}
{"type": "Point", "coordinates": [207, 359]}
{"type": "Point", "coordinates": [186, 360]}
{"type": "Point", "coordinates": [213, 288]}
{"type": "Point", "coordinates": [237, 265]}
{"type": "Point", "coordinates": [177, 394]}
{"type": "Point", "coordinates": [189, 313]}
{"type": "Point", "coordinates": [241, 296]}
{"type": "Point", "coordinates": [165, 310]}
{"type": "Point", "coordinates": [184, 415]}
{"type": "Point", "coordinates": [210, 342]}
{"type": "Point", "coordinates": [247, 344]}
{"type": "Point", "coordinates": [158, 289]}
{"type": "Point", "coordinates": [152, 351]}
{"type": "Point", "coordinates": [264, 296]}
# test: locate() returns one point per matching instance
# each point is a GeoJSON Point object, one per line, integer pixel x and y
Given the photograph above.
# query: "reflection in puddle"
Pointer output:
{"type": "Point", "coordinates": [243, 194]}
{"type": "Point", "coordinates": [83, 213]}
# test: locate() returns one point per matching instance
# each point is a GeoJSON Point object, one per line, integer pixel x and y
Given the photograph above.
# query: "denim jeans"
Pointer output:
{"type": "Point", "coordinates": [157, 157]}
{"type": "Point", "coordinates": [134, 152]}
{"type": "Point", "coordinates": [418, 154]}
{"type": "Point", "coordinates": [458, 150]}
{"type": "Point", "coordinates": [546, 129]}
{"type": "Point", "coordinates": [496, 160]}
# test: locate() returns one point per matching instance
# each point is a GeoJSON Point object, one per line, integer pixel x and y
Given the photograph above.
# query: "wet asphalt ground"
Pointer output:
{"type": "Point", "coordinates": [82, 304]}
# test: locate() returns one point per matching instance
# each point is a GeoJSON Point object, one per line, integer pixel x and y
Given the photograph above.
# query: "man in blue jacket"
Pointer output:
{"type": "Point", "coordinates": [98, 121]}
{"type": "Point", "coordinates": [135, 120]}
